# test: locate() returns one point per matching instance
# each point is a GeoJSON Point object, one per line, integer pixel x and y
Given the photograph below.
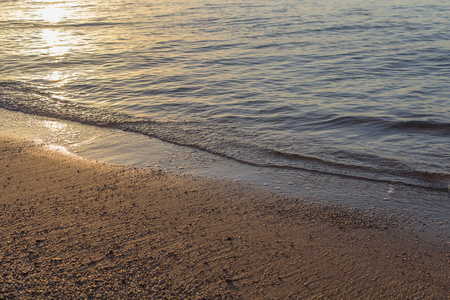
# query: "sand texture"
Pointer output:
{"type": "Point", "coordinates": [77, 229]}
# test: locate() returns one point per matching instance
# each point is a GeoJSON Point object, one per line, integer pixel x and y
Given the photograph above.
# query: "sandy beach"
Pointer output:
{"type": "Point", "coordinates": [77, 229]}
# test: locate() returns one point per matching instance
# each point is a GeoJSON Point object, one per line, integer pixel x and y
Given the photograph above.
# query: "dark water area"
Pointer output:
{"type": "Point", "coordinates": [358, 90]}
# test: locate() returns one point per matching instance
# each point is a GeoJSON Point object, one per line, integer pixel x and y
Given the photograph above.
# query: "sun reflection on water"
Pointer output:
{"type": "Point", "coordinates": [56, 76]}
{"type": "Point", "coordinates": [54, 125]}
{"type": "Point", "coordinates": [58, 39]}
{"type": "Point", "coordinates": [51, 40]}
{"type": "Point", "coordinates": [57, 44]}
{"type": "Point", "coordinates": [53, 13]}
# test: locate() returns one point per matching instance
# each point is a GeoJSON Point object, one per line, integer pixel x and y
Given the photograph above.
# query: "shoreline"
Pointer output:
{"type": "Point", "coordinates": [132, 149]}
{"type": "Point", "coordinates": [77, 228]}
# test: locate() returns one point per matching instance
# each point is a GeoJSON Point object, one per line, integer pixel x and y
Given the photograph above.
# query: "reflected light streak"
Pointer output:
{"type": "Point", "coordinates": [53, 14]}
{"type": "Point", "coordinates": [56, 76]}
{"type": "Point", "coordinates": [57, 45]}
{"type": "Point", "coordinates": [54, 125]}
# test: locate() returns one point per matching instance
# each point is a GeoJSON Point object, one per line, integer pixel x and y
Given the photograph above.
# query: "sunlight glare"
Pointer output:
{"type": "Point", "coordinates": [54, 125]}
{"type": "Point", "coordinates": [55, 42]}
{"type": "Point", "coordinates": [53, 14]}
{"type": "Point", "coordinates": [58, 78]}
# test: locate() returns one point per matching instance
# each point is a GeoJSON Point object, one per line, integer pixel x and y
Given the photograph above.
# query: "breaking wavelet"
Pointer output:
{"type": "Point", "coordinates": [23, 97]}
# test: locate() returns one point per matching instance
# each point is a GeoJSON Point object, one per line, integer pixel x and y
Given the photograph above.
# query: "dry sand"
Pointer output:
{"type": "Point", "coordinates": [75, 229]}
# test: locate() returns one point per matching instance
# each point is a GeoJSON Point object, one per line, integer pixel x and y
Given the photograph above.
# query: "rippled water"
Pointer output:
{"type": "Point", "coordinates": [357, 89]}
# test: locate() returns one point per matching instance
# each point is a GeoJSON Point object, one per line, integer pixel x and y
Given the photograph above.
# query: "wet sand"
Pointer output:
{"type": "Point", "coordinates": [73, 228]}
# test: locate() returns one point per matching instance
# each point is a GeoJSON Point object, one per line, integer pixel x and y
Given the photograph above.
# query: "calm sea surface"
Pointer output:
{"type": "Point", "coordinates": [357, 89]}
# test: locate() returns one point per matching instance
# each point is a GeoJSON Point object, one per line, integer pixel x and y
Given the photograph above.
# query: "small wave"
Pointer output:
{"type": "Point", "coordinates": [351, 121]}
{"type": "Point", "coordinates": [298, 157]}
{"type": "Point", "coordinates": [437, 181]}
{"type": "Point", "coordinates": [385, 123]}
{"type": "Point", "coordinates": [360, 27]}
{"type": "Point", "coordinates": [19, 96]}
{"type": "Point", "coordinates": [423, 126]}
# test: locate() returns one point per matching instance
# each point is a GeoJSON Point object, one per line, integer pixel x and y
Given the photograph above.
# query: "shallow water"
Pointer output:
{"type": "Point", "coordinates": [342, 90]}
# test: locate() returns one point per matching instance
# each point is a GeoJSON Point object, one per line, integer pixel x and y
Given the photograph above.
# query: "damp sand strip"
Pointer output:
{"type": "Point", "coordinates": [74, 228]}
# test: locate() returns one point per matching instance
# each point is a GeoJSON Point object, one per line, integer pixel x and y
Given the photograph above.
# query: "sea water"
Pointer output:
{"type": "Point", "coordinates": [347, 100]}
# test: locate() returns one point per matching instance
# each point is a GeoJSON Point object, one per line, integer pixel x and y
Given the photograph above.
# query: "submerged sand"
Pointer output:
{"type": "Point", "coordinates": [73, 228]}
